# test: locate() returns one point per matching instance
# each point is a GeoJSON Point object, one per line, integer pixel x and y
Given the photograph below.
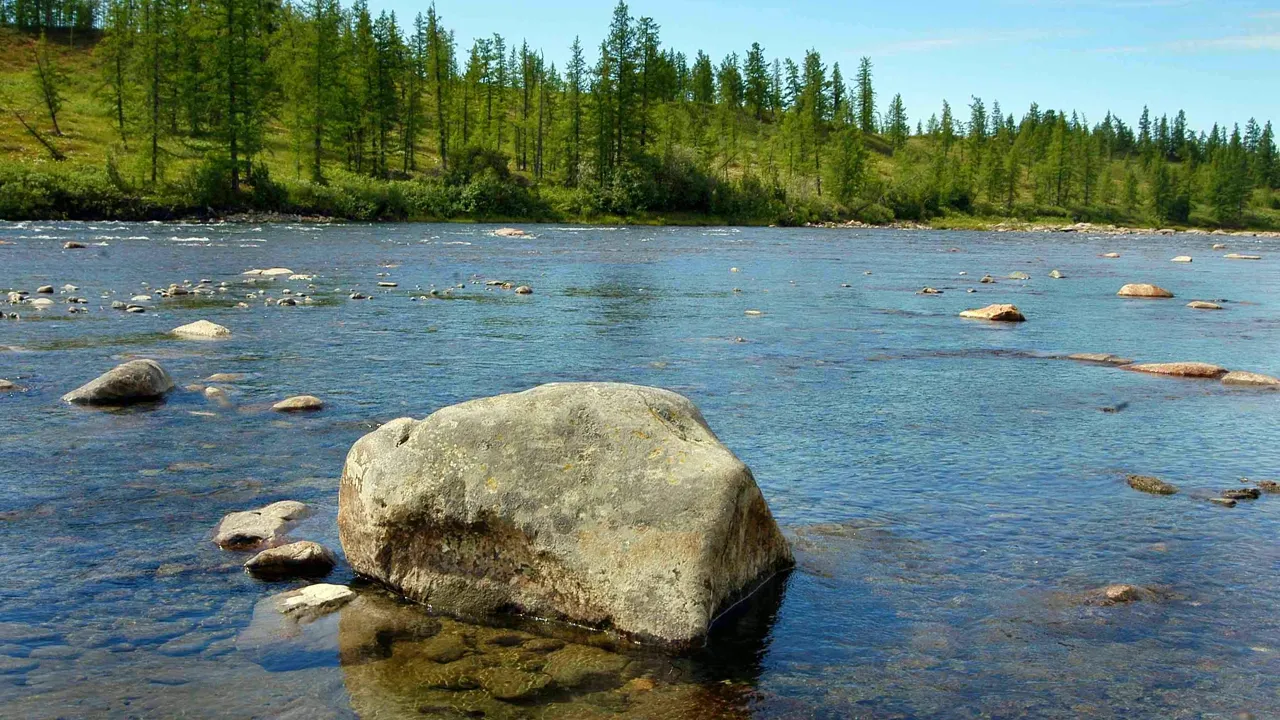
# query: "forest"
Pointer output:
{"type": "Point", "coordinates": [158, 109]}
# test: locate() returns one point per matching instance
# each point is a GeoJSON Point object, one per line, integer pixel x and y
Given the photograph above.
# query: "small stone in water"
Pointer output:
{"type": "Point", "coordinates": [1153, 485]}
{"type": "Point", "coordinates": [1242, 494]}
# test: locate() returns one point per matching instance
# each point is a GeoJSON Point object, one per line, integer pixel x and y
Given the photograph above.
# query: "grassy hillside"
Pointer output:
{"type": "Point", "coordinates": [104, 175]}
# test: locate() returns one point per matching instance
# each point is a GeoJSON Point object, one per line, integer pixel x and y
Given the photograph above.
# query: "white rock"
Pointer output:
{"type": "Point", "coordinates": [201, 330]}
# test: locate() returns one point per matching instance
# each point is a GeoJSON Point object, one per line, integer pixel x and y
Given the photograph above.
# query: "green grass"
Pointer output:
{"type": "Point", "coordinates": [106, 176]}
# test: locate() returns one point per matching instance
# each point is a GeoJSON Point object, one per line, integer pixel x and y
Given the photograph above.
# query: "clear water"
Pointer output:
{"type": "Point", "coordinates": [952, 489]}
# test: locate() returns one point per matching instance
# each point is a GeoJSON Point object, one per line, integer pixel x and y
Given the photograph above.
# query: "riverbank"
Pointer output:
{"type": "Point", "coordinates": [1005, 226]}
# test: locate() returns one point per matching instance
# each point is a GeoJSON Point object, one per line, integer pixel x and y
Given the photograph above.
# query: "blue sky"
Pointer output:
{"type": "Point", "coordinates": [1217, 59]}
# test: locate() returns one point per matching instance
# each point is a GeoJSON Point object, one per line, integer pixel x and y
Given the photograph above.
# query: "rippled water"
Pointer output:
{"type": "Point", "coordinates": [951, 488]}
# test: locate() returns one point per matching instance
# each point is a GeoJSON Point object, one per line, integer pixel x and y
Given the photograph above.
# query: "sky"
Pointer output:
{"type": "Point", "coordinates": [1217, 59]}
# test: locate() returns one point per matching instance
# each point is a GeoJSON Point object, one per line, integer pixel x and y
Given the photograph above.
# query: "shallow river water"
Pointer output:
{"type": "Point", "coordinates": [952, 489]}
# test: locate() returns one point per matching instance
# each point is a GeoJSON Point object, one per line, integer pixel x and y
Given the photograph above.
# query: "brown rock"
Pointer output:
{"type": "Point", "coordinates": [1181, 369]}
{"type": "Point", "coordinates": [997, 313]}
{"type": "Point", "coordinates": [299, 403]}
{"type": "Point", "coordinates": [1120, 593]}
{"type": "Point", "coordinates": [1239, 377]}
{"type": "Point", "coordinates": [1153, 485]}
{"type": "Point", "coordinates": [1242, 494]}
{"type": "Point", "coordinates": [1103, 358]}
{"type": "Point", "coordinates": [1142, 290]}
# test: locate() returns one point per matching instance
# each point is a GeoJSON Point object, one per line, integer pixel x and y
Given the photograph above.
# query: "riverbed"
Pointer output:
{"type": "Point", "coordinates": [953, 488]}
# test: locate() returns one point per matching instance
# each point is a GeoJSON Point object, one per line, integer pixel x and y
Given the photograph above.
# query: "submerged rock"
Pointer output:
{"type": "Point", "coordinates": [929, 291]}
{"type": "Point", "coordinates": [1019, 276]}
{"type": "Point", "coordinates": [1238, 256]}
{"type": "Point", "coordinates": [509, 232]}
{"type": "Point", "coordinates": [1181, 369]}
{"type": "Point", "coordinates": [1153, 485]}
{"type": "Point", "coordinates": [299, 403]}
{"type": "Point", "coordinates": [1202, 305]}
{"type": "Point", "coordinates": [201, 330]}
{"type": "Point", "coordinates": [313, 600]}
{"type": "Point", "coordinates": [225, 377]}
{"type": "Point", "coordinates": [1143, 290]}
{"type": "Point", "coordinates": [299, 559]}
{"type": "Point", "coordinates": [1182, 259]}
{"type": "Point", "coordinates": [1110, 255]}
{"type": "Point", "coordinates": [524, 290]}
{"type": "Point", "coordinates": [133, 382]}
{"type": "Point", "coordinates": [1242, 494]}
{"type": "Point", "coordinates": [1121, 593]}
{"type": "Point", "coordinates": [73, 245]}
{"type": "Point", "coordinates": [1101, 358]}
{"type": "Point", "coordinates": [605, 504]}
{"type": "Point", "coordinates": [248, 529]}
{"type": "Point", "coordinates": [1223, 501]}
{"type": "Point", "coordinates": [1056, 274]}
{"type": "Point", "coordinates": [997, 313]}
{"type": "Point", "coordinates": [1239, 377]}
{"type": "Point", "coordinates": [5, 385]}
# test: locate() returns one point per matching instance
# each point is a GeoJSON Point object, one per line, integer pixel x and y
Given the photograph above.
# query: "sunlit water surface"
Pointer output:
{"type": "Point", "coordinates": [951, 488]}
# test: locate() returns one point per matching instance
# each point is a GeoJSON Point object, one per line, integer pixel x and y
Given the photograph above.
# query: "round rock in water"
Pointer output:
{"type": "Point", "coordinates": [996, 313]}
{"type": "Point", "coordinates": [299, 403]}
{"type": "Point", "coordinates": [201, 330]}
{"type": "Point", "coordinates": [1142, 290]}
{"type": "Point", "coordinates": [133, 382]}
{"type": "Point", "coordinates": [299, 559]}
{"type": "Point", "coordinates": [605, 504]}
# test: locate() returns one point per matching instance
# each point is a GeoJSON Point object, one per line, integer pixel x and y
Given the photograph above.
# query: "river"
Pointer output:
{"type": "Point", "coordinates": [953, 488]}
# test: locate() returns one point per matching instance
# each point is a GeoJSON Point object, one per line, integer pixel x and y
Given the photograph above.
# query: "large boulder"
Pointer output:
{"type": "Point", "coordinates": [1142, 290]}
{"type": "Point", "coordinates": [133, 382]}
{"type": "Point", "coordinates": [604, 504]}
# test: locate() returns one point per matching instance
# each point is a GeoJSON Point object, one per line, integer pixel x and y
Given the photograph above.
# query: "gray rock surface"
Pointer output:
{"type": "Point", "coordinates": [605, 504]}
{"type": "Point", "coordinates": [133, 382]}
{"type": "Point", "coordinates": [299, 559]}
{"type": "Point", "coordinates": [249, 529]}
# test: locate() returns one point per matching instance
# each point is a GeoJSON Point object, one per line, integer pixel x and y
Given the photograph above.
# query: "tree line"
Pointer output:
{"type": "Point", "coordinates": [628, 127]}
